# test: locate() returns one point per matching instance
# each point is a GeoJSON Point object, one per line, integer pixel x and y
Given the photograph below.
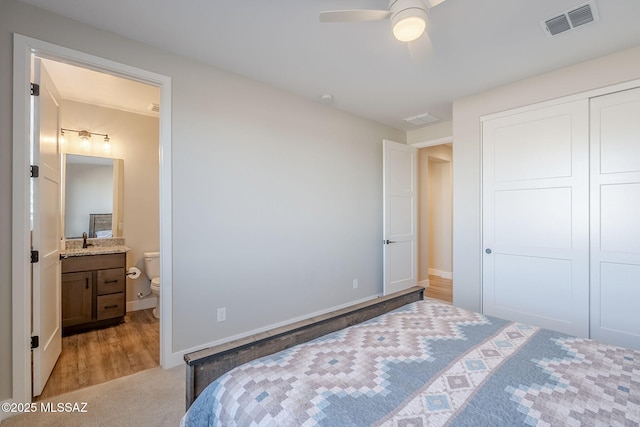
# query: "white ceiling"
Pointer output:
{"type": "Point", "coordinates": [105, 90]}
{"type": "Point", "coordinates": [475, 45]}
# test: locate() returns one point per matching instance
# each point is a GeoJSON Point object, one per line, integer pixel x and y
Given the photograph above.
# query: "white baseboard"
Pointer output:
{"type": "Point", "coordinates": [441, 273]}
{"type": "Point", "coordinates": [424, 283]}
{"type": "Point", "coordinates": [177, 358]}
{"type": "Point", "coordinates": [141, 304]}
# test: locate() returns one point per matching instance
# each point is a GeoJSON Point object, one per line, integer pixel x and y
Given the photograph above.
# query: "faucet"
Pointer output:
{"type": "Point", "coordinates": [84, 241]}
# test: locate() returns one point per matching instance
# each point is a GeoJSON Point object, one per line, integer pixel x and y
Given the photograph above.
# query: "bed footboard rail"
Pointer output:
{"type": "Point", "coordinates": [204, 366]}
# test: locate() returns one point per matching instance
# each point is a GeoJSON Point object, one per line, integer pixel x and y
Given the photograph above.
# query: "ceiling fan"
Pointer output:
{"type": "Point", "coordinates": [408, 17]}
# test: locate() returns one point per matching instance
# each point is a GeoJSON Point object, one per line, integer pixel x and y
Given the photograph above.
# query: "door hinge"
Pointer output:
{"type": "Point", "coordinates": [35, 342]}
{"type": "Point", "coordinates": [35, 89]}
{"type": "Point", "coordinates": [35, 171]}
{"type": "Point", "coordinates": [35, 257]}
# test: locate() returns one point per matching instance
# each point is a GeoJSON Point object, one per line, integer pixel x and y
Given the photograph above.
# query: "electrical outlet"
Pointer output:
{"type": "Point", "coordinates": [355, 283]}
{"type": "Point", "coordinates": [222, 314]}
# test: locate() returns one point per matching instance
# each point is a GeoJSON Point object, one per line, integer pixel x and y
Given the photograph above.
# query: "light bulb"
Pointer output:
{"type": "Point", "coordinates": [409, 28]}
{"type": "Point", "coordinates": [106, 147]}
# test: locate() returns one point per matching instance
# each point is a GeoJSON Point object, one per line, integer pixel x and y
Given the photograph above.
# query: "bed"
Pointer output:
{"type": "Point", "coordinates": [422, 363]}
{"type": "Point", "coordinates": [100, 226]}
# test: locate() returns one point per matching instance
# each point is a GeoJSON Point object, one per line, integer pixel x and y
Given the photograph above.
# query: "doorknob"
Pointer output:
{"type": "Point", "coordinates": [488, 250]}
{"type": "Point", "coordinates": [386, 242]}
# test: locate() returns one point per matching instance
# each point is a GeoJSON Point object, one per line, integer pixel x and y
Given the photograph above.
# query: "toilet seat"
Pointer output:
{"type": "Point", "coordinates": [155, 284]}
{"type": "Point", "coordinates": [155, 289]}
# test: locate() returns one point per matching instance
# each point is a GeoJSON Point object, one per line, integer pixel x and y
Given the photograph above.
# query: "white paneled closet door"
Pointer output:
{"type": "Point", "coordinates": [536, 217]}
{"type": "Point", "coordinates": [615, 218]}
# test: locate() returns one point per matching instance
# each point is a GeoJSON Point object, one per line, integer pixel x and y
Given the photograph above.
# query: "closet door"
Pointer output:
{"type": "Point", "coordinates": [535, 217]}
{"type": "Point", "coordinates": [615, 218]}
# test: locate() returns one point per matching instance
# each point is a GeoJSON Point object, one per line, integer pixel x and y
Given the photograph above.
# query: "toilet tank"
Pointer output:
{"type": "Point", "coordinates": [152, 264]}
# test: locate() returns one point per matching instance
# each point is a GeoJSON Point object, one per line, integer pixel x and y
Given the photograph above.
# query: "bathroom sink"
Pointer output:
{"type": "Point", "coordinates": [96, 247]}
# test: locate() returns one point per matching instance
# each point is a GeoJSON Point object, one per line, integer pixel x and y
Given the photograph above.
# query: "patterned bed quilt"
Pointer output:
{"type": "Point", "coordinates": [430, 364]}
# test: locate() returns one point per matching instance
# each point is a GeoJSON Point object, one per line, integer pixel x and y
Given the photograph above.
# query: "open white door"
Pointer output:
{"type": "Point", "coordinates": [45, 234]}
{"type": "Point", "coordinates": [400, 257]}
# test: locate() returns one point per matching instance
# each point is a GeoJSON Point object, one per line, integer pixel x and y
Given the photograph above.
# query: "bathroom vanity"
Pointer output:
{"type": "Point", "coordinates": [93, 288]}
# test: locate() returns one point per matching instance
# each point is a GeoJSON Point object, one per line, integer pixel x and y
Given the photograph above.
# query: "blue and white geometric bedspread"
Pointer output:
{"type": "Point", "coordinates": [430, 364]}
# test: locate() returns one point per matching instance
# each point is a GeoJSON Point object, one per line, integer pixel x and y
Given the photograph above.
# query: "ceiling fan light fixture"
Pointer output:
{"type": "Point", "coordinates": [408, 17]}
{"type": "Point", "coordinates": [409, 22]}
{"type": "Point", "coordinates": [409, 29]}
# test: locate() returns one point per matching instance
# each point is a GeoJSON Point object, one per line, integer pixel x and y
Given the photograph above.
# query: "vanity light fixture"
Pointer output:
{"type": "Point", "coordinates": [85, 136]}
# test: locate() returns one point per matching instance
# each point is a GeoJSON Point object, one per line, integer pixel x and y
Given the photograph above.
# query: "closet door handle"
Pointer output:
{"type": "Point", "coordinates": [388, 242]}
{"type": "Point", "coordinates": [86, 283]}
{"type": "Point", "coordinates": [488, 250]}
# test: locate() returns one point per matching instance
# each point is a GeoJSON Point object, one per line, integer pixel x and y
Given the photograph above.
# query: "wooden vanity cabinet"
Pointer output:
{"type": "Point", "coordinates": [93, 292]}
{"type": "Point", "coordinates": [77, 289]}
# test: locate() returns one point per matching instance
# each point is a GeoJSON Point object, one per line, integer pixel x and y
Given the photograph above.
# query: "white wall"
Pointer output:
{"type": "Point", "coordinates": [281, 210]}
{"type": "Point", "coordinates": [467, 251]}
{"type": "Point", "coordinates": [440, 218]}
{"type": "Point", "coordinates": [276, 199]}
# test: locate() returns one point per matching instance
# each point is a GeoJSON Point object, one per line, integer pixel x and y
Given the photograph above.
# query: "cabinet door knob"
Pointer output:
{"type": "Point", "coordinates": [488, 250]}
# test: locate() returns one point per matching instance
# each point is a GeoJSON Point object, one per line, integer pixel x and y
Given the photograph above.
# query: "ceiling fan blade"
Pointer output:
{"type": "Point", "coordinates": [420, 49]}
{"type": "Point", "coordinates": [354, 15]}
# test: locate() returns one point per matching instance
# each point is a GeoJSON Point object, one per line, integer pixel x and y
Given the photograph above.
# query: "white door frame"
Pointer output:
{"type": "Point", "coordinates": [23, 48]}
{"type": "Point", "coordinates": [433, 142]}
{"type": "Point", "coordinates": [426, 144]}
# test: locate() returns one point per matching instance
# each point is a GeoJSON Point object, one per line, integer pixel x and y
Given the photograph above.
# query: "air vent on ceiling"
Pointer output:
{"type": "Point", "coordinates": [570, 19]}
{"type": "Point", "coordinates": [421, 119]}
{"type": "Point", "coordinates": [154, 108]}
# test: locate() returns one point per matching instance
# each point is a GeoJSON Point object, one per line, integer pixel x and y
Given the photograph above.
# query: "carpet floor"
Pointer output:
{"type": "Point", "coordinates": [154, 397]}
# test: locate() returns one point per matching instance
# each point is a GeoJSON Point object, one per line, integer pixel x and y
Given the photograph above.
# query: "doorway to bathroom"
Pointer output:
{"type": "Point", "coordinates": [113, 131]}
{"type": "Point", "coordinates": [111, 173]}
{"type": "Point", "coordinates": [435, 213]}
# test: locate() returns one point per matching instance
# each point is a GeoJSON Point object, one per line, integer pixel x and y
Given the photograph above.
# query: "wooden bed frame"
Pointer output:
{"type": "Point", "coordinates": [99, 222]}
{"type": "Point", "coordinates": [204, 366]}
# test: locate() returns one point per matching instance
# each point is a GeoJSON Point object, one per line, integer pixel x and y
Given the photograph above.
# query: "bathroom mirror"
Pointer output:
{"type": "Point", "coordinates": [92, 196]}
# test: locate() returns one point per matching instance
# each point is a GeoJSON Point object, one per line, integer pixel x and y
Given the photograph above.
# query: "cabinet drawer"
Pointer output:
{"type": "Point", "coordinates": [111, 281]}
{"type": "Point", "coordinates": [93, 262]}
{"type": "Point", "coordinates": [110, 306]}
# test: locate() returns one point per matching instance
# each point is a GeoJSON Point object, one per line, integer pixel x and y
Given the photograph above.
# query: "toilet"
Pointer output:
{"type": "Point", "coordinates": [152, 270]}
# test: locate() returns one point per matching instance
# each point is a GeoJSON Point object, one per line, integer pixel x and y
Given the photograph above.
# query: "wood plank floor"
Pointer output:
{"type": "Point", "coordinates": [102, 355]}
{"type": "Point", "coordinates": [440, 288]}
